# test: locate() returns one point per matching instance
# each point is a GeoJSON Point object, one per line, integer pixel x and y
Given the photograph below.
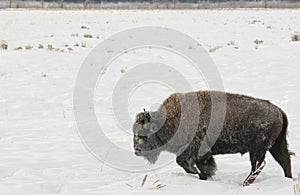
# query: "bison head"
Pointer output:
{"type": "Point", "coordinates": [147, 142]}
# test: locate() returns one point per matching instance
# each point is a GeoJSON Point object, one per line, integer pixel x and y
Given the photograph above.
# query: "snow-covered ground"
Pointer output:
{"type": "Point", "coordinates": [40, 149]}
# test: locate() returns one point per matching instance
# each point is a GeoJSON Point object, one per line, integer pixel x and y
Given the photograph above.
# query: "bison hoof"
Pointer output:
{"type": "Point", "coordinates": [246, 183]}
{"type": "Point", "coordinates": [202, 176]}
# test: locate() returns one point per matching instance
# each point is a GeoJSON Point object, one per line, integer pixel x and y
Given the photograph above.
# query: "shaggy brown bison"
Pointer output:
{"type": "Point", "coordinates": [197, 125]}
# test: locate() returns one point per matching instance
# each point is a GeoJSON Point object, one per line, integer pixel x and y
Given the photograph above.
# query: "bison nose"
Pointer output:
{"type": "Point", "coordinates": [137, 151]}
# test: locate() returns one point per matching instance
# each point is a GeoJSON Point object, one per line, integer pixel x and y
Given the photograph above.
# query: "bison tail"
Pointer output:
{"type": "Point", "coordinates": [282, 138]}
{"type": "Point", "coordinates": [281, 142]}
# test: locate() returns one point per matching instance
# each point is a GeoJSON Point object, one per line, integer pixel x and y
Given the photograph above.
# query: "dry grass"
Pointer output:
{"type": "Point", "coordinates": [83, 44]}
{"type": "Point", "coordinates": [122, 70]}
{"type": "Point", "coordinates": [18, 48]}
{"type": "Point", "coordinates": [254, 21]}
{"type": "Point", "coordinates": [230, 43]}
{"type": "Point", "coordinates": [40, 46]}
{"type": "Point", "coordinates": [28, 47]}
{"type": "Point", "coordinates": [88, 36]}
{"type": "Point", "coordinates": [257, 41]}
{"type": "Point", "coordinates": [144, 180]}
{"type": "Point", "coordinates": [295, 36]}
{"type": "Point", "coordinates": [160, 186]}
{"type": "Point", "coordinates": [155, 184]}
{"type": "Point", "coordinates": [214, 48]}
{"type": "Point", "coordinates": [75, 35]}
{"type": "Point", "coordinates": [50, 47]}
{"type": "Point", "coordinates": [3, 45]}
{"type": "Point", "coordinates": [43, 75]}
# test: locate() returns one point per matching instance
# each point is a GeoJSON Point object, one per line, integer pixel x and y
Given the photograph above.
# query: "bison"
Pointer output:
{"type": "Point", "coordinates": [197, 125]}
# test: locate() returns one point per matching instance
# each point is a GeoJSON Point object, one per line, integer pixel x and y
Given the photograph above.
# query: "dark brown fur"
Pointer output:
{"type": "Point", "coordinates": [191, 126]}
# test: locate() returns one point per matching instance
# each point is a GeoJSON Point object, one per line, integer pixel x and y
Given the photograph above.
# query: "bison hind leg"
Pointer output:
{"type": "Point", "coordinates": [257, 159]}
{"type": "Point", "coordinates": [207, 167]}
{"type": "Point", "coordinates": [282, 156]}
{"type": "Point", "coordinates": [252, 176]}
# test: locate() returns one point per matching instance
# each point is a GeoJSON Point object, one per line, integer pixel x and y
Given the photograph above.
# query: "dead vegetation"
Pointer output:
{"type": "Point", "coordinates": [214, 48]}
{"type": "Point", "coordinates": [257, 41]}
{"type": "Point", "coordinates": [28, 47]}
{"type": "Point", "coordinates": [66, 46]}
{"type": "Point", "coordinates": [83, 44]}
{"type": "Point", "coordinates": [295, 36]}
{"type": "Point", "coordinates": [123, 70]}
{"type": "Point", "coordinates": [18, 48]}
{"type": "Point", "coordinates": [232, 44]}
{"type": "Point", "coordinates": [75, 35]}
{"type": "Point", "coordinates": [50, 47]}
{"type": "Point", "coordinates": [3, 45]}
{"type": "Point", "coordinates": [88, 36]}
{"type": "Point", "coordinates": [40, 46]}
{"type": "Point", "coordinates": [144, 180]}
{"type": "Point", "coordinates": [43, 75]}
{"type": "Point", "coordinates": [254, 21]}
{"type": "Point", "coordinates": [155, 184]}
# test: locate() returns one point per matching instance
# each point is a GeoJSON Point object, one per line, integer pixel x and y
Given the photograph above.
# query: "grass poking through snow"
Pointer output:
{"type": "Point", "coordinates": [155, 184]}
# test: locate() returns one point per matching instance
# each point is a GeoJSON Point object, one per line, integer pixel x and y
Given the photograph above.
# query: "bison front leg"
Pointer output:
{"type": "Point", "coordinates": [207, 166]}
{"type": "Point", "coordinates": [187, 163]}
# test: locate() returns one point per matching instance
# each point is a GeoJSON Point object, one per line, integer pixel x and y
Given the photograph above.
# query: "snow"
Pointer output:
{"type": "Point", "coordinates": [40, 149]}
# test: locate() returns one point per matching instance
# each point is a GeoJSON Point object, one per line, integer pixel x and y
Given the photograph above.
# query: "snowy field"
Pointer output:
{"type": "Point", "coordinates": [40, 149]}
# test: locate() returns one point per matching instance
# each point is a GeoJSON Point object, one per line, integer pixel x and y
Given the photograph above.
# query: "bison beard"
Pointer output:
{"type": "Point", "coordinates": [250, 125]}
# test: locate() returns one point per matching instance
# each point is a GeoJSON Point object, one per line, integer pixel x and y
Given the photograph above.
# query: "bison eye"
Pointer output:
{"type": "Point", "coordinates": [141, 121]}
